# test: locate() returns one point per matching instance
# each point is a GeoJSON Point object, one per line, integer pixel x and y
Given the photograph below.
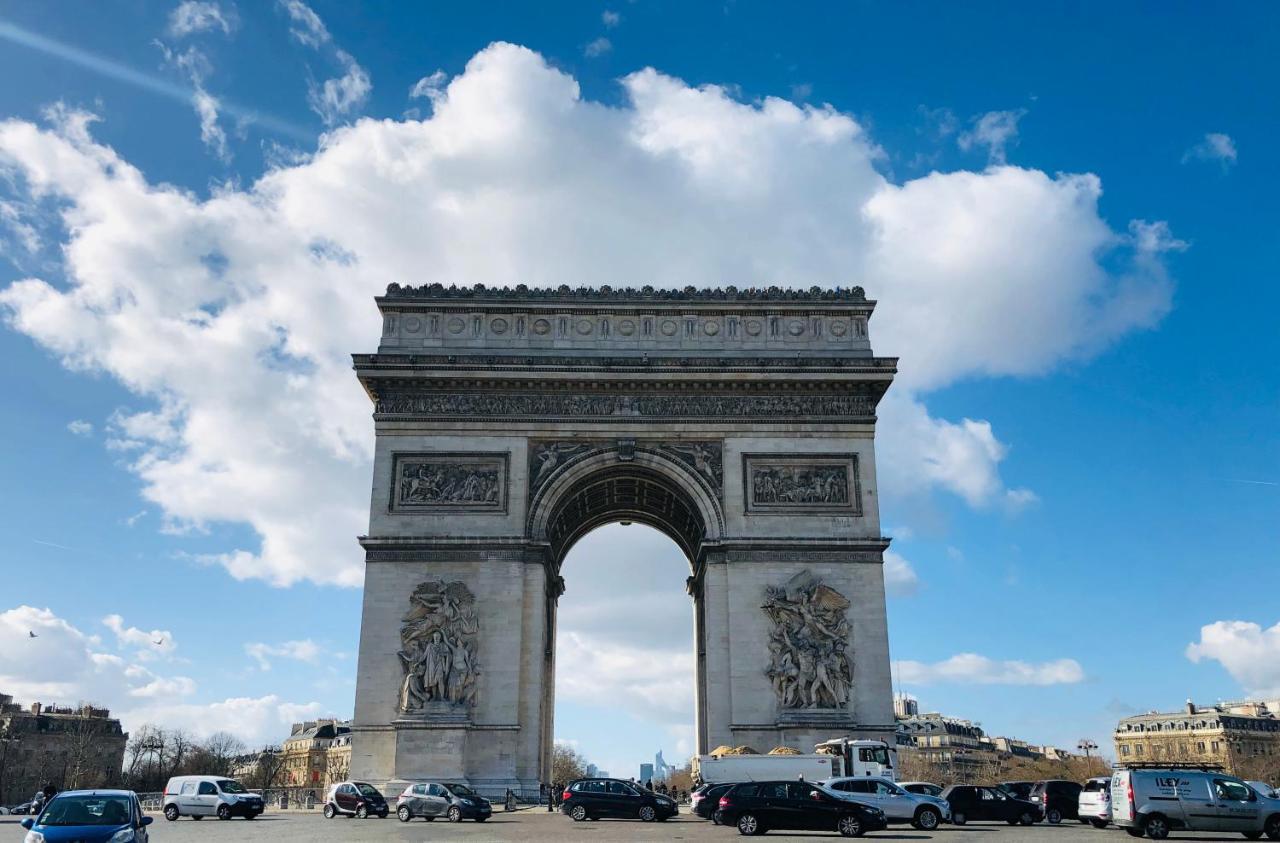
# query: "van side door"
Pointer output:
{"type": "Point", "coordinates": [1238, 808]}
{"type": "Point", "coordinates": [206, 799]}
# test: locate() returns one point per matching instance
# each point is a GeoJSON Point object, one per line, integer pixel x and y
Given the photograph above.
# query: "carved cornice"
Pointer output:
{"type": "Point", "coordinates": [607, 293]}
{"type": "Point", "coordinates": [636, 362]}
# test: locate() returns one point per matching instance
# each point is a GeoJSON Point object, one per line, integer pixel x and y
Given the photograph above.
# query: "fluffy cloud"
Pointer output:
{"type": "Point", "coordinates": [651, 683]}
{"type": "Point", "coordinates": [973, 669]}
{"type": "Point", "coordinates": [303, 651]}
{"type": "Point", "coordinates": [610, 18]}
{"type": "Point", "coordinates": [900, 579]}
{"type": "Point", "coordinates": [64, 665]}
{"type": "Point", "coordinates": [1249, 653]}
{"type": "Point", "coordinates": [232, 316]}
{"type": "Point", "coordinates": [1215, 146]}
{"type": "Point", "coordinates": [155, 642]}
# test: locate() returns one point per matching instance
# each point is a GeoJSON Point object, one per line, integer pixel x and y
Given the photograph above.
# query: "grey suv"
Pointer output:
{"type": "Point", "coordinates": [454, 802]}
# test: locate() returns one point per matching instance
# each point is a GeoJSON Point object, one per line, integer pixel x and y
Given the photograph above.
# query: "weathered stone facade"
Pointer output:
{"type": "Point", "coordinates": [64, 746]}
{"type": "Point", "coordinates": [510, 423]}
{"type": "Point", "coordinates": [1232, 734]}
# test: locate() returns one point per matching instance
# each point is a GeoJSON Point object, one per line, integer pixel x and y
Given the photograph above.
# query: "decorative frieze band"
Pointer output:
{"type": "Point", "coordinates": [810, 484]}
{"type": "Point", "coordinates": [782, 407]}
{"type": "Point", "coordinates": [428, 483]}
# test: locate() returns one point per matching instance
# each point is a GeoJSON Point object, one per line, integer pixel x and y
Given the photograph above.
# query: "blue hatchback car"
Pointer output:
{"type": "Point", "coordinates": [89, 816]}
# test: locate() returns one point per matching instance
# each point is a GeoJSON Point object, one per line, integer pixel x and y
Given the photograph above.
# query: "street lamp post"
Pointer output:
{"type": "Point", "coordinates": [1086, 746]}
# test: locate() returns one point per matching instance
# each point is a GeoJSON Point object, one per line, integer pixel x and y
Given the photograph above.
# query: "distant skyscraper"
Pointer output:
{"type": "Point", "coordinates": [592, 771]}
{"type": "Point", "coordinates": [661, 769]}
{"type": "Point", "coordinates": [646, 772]}
{"type": "Point", "coordinates": [904, 706]}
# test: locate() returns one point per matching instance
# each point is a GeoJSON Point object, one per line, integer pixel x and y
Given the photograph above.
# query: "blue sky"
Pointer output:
{"type": "Point", "coordinates": [1116, 330]}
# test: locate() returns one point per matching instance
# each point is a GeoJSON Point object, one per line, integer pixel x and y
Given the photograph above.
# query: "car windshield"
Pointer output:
{"type": "Point", "coordinates": [231, 786]}
{"type": "Point", "coordinates": [460, 790]}
{"type": "Point", "coordinates": [86, 810]}
{"type": "Point", "coordinates": [367, 790]}
{"type": "Point", "coordinates": [1095, 785]}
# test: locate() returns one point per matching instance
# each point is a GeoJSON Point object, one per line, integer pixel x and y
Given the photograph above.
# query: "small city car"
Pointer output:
{"type": "Point", "coordinates": [209, 796]}
{"type": "Point", "coordinates": [1095, 802]}
{"type": "Point", "coordinates": [1059, 800]}
{"type": "Point", "coordinates": [705, 801]}
{"type": "Point", "coordinates": [355, 799]}
{"type": "Point", "coordinates": [454, 802]}
{"type": "Point", "coordinates": [900, 806]}
{"type": "Point", "coordinates": [758, 807]}
{"type": "Point", "coordinates": [973, 803]}
{"type": "Point", "coordinates": [591, 799]}
{"type": "Point", "coordinates": [90, 816]}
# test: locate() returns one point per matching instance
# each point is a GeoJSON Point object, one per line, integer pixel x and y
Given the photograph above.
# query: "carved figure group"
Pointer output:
{"type": "Point", "coordinates": [800, 484]}
{"type": "Point", "coordinates": [808, 663]}
{"type": "Point", "coordinates": [438, 641]}
{"type": "Point", "coordinates": [446, 483]}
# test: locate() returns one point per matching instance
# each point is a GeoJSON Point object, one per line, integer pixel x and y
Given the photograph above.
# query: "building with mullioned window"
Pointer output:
{"type": "Point", "coordinates": [59, 745]}
{"type": "Point", "coordinates": [962, 745]}
{"type": "Point", "coordinates": [1228, 734]}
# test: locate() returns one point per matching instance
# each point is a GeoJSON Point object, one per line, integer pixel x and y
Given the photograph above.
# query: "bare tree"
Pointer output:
{"type": "Point", "coordinates": [567, 764]}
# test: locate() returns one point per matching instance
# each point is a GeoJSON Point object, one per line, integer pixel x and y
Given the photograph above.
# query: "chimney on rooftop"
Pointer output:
{"type": "Point", "coordinates": [1191, 707]}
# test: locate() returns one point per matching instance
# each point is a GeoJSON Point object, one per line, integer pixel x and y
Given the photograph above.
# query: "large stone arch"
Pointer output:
{"type": "Point", "coordinates": [512, 422]}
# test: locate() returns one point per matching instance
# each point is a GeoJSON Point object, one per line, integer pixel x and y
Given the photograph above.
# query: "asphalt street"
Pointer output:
{"type": "Point", "coordinates": [538, 825]}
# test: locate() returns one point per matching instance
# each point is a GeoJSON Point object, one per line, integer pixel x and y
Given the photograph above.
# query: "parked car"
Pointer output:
{"type": "Point", "coordinates": [24, 808]}
{"type": "Point", "coordinates": [1018, 790]}
{"type": "Point", "coordinates": [90, 816]}
{"type": "Point", "coordinates": [705, 800]}
{"type": "Point", "coordinates": [455, 802]}
{"type": "Point", "coordinates": [355, 799]}
{"type": "Point", "coordinates": [1095, 802]}
{"type": "Point", "coordinates": [1154, 802]}
{"type": "Point", "coordinates": [899, 806]}
{"type": "Point", "coordinates": [973, 803]}
{"type": "Point", "coordinates": [209, 796]}
{"type": "Point", "coordinates": [1058, 799]}
{"type": "Point", "coordinates": [923, 788]}
{"type": "Point", "coordinates": [592, 799]}
{"type": "Point", "coordinates": [758, 807]}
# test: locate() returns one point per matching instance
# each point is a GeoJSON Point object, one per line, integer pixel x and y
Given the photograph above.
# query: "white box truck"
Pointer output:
{"type": "Point", "coordinates": [762, 768]}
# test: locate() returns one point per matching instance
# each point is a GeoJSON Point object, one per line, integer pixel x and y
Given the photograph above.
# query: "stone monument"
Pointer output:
{"type": "Point", "coordinates": [511, 422]}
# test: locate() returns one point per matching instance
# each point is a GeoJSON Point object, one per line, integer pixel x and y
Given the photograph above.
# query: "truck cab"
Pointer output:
{"type": "Point", "coordinates": [863, 757]}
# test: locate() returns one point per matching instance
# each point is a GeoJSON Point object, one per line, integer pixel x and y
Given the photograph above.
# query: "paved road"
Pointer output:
{"type": "Point", "coordinates": [528, 826]}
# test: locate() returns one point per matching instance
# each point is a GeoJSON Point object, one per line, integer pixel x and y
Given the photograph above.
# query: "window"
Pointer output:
{"type": "Point", "coordinates": [188, 788]}
{"type": "Point", "coordinates": [1199, 746]}
{"type": "Point", "coordinates": [619, 789]}
{"type": "Point", "coordinates": [799, 790]}
{"type": "Point", "coordinates": [592, 786]}
{"type": "Point", "coordinates": [421, 789]}
{"type": "Point", "coordinates": [1214, 746]}
{"type": "Point", "coordinates": [1138, 750]}
{"type": "Point", "coordinates": [207, 789]}
{"type": "Point", "coordinates": [1231, 791]}
{"type": "Point", "coordinates": [1124, 749]}
{"type": "Point", "coordinates": [746, 790]}
{"type": "Point", "coordinates": [856, 786]}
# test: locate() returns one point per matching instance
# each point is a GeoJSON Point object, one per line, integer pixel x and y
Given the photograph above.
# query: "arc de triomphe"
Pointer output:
{"type": "Point", "coordinates": [511, 422]}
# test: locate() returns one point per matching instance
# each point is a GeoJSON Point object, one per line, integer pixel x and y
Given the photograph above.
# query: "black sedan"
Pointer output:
{"type": "Point", "coordinates": [972, 802]}
{"type": "Point", "coordinates": [591, 799]}
{"type": "Point", "coordinates": [757, 807]}
{"type": "Point", "coordinates": [705, 801]}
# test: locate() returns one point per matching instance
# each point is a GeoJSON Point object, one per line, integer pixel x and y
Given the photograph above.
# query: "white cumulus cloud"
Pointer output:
{"type": "Point", "coordinates": [232, 317]}
{"type": "Point", "coordinates": [156, 641]}
{"type": "Point", "coordinates": [900, 578]}
{"type": "Point", "coordinates": [304, 651]}
{"type": "Point", "coordinates": [1248, 652]}
{"type": "Point", "coordinates": [973, 669]}
{"type": "Point", "coordinates": [1215, 146]}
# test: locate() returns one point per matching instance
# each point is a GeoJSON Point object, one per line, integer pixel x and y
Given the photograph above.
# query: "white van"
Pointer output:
{"type": "Point", "coordinates": [1154, 802]}
{"type": "Point", "coordinates": [209, 796]}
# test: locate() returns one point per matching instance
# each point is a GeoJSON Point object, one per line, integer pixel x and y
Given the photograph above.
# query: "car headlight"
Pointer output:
{"type": "Point", "coordinates": [124, 835]}
{"type": "Point", "coordinates": [466, 802]}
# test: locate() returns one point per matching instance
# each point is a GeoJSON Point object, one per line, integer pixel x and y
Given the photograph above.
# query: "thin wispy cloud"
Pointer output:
{"type": "Point", "coordinates": [51, 544]}
{"type": "Point", "coordinates": [131, 76]}
{"type": "Point", "coordinates": [1254, 482]}
{"type": "Point", "coordinates": [1214, 147]}
{"type": "Point", "coordinates": [994, 131]}
{"type": "Point", "coordinates": [597, 48]}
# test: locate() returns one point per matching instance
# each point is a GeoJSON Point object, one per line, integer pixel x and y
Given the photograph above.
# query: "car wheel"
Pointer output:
{"type": "Point", "coordinates": [717, 817]}
{"type": "Point", "coordinates": [1156, 827]}
{"type": "Point", "coordinates": [455, 814]}
{"type": "Point", "coordinates": [197, 817]}
{"type": "Point", "coordinates": [647, 813]}
{"type": "Point", "coordinates": [959, 817]}
{"type": "Point", "coordinates": [404, 814]}
{"type": "Point", "coordinates": [224, 813]}
{"type": "Point", "coordinates": [849, 826]}
{"type": "Point", "coordinates": [481, 819]}
{"type": "Point", "coordinates": [1053, 815]}
{"type": "Point", "coordinates": [1252, 835]}
{"type": "Point", "coordinates": [1272, 827]}
{"type": "Point", "coordinates": [927, 819]}
{"type": "Point", "coordinates": [250, 816]}
{"type": "Point", "coordinates": [1133, 831]}
{"type": "Point", "coordinates": [1099, 823]}
{"type": "Point", "coordinates": [361, 812]}
{"type": "Point", "coordinates": [328, 811]}
{"type": "Point", "coordinates": [578, 813]}
{"type": "Point", "coordinates": [749, 825]}
{"type": "Point", "coordinates": [171, 812]}
{"type": "Point", "coordinates": [1027, 818]}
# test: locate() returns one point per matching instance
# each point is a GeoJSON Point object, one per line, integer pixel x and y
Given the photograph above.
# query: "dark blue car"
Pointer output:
{"type": "Point", "coordinates": [91, 816]}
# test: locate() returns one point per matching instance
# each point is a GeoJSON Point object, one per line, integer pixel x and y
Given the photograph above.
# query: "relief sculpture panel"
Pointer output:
{"type": "Point", "coordinates": [808, 663]}
{"type": "Point", "coordinates": [449, 483]}
{"type": "Point", "coordinates": [787, 484]}
{"type": "Point", "coordinates": [438, 649]}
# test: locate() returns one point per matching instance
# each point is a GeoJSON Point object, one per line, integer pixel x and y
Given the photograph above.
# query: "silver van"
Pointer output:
{"type": "Point", "coordinates": [209, 796]}
{"type": "Point", "coordinates": [1154, 802]}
